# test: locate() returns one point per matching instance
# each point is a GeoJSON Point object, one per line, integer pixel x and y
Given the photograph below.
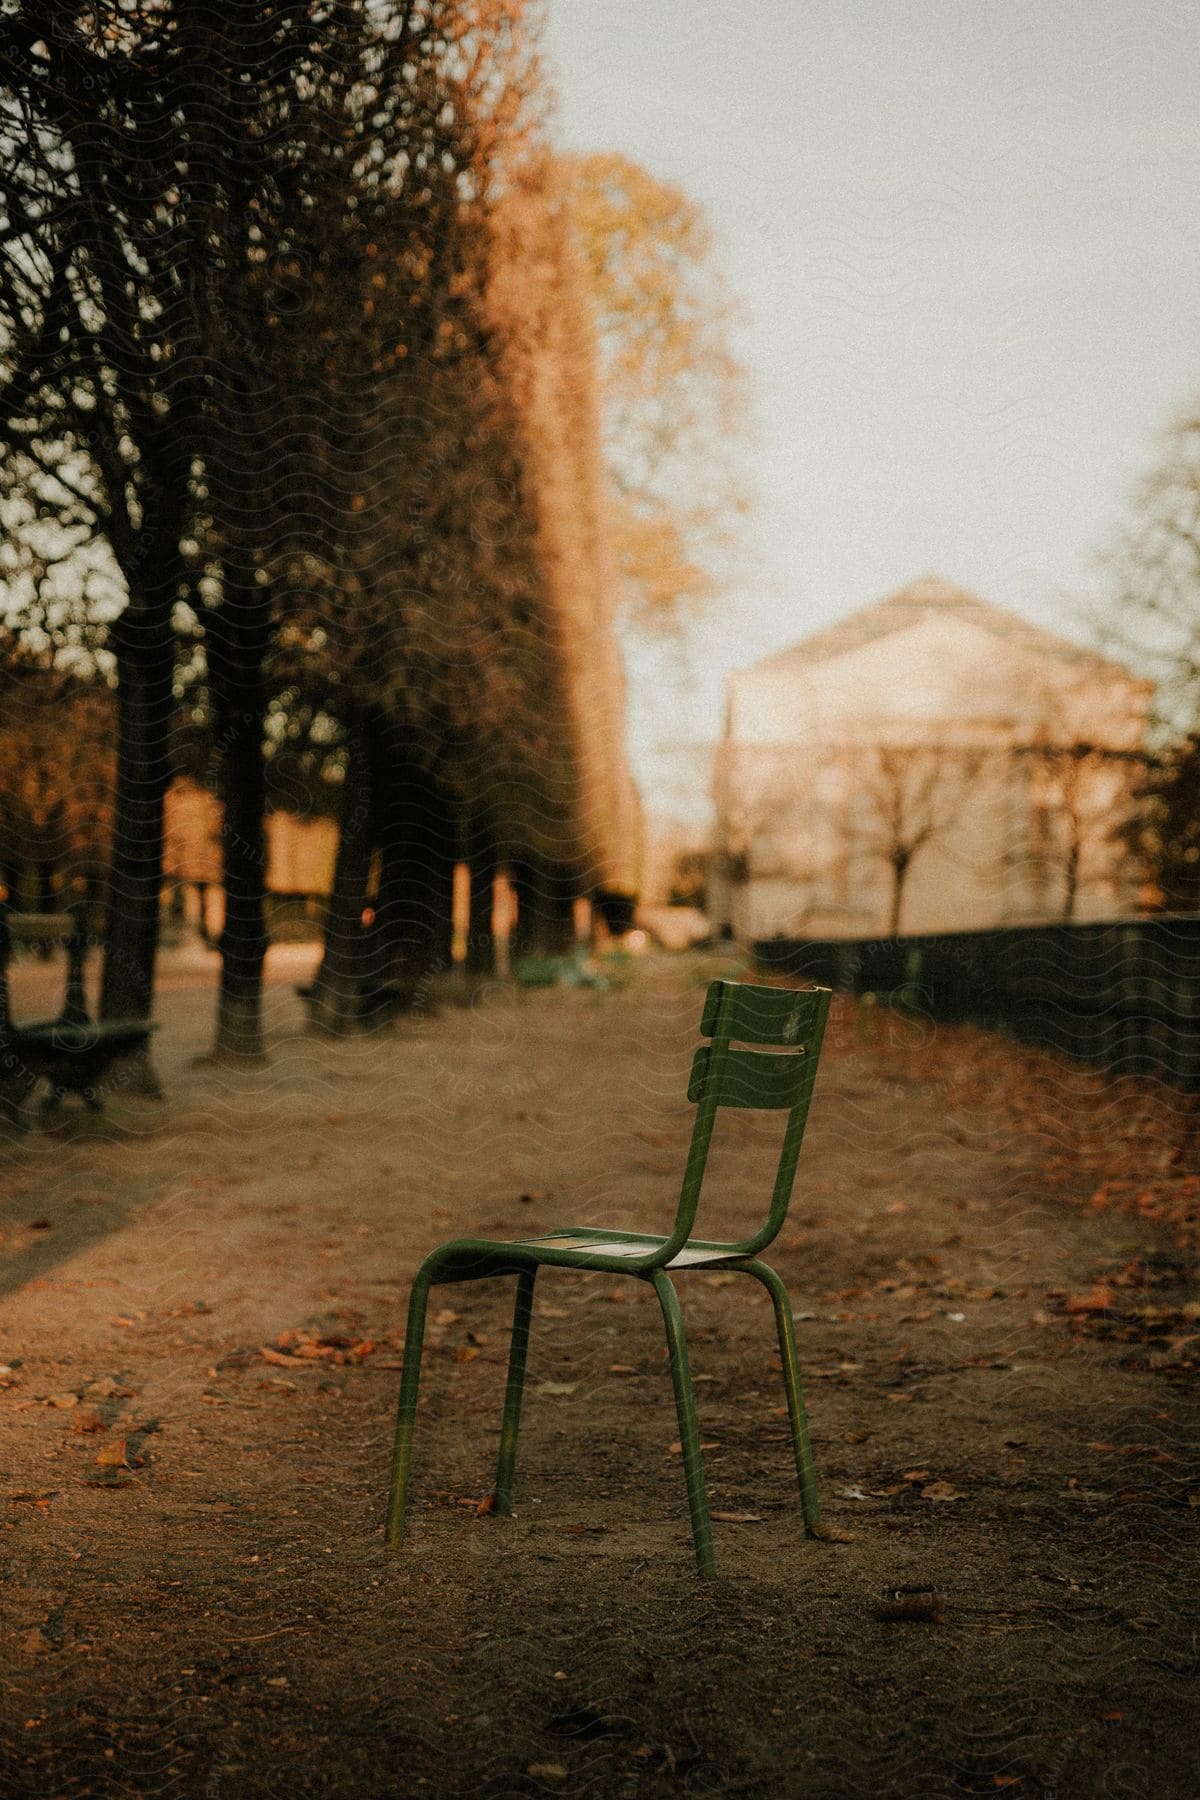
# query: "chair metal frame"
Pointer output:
{"type": "Point", "coordinates": [763, 1048]}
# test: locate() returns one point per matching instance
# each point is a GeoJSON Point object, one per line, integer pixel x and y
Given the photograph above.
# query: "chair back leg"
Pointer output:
{"type": "Point", "coordinates": [805, 1467]}
{"type": "Point", "coordinates": [414, 1338]}
{"type": "Point", "coordinates": [522, 1312]}
{"type": "Point", "coordinates": [689, 1431]}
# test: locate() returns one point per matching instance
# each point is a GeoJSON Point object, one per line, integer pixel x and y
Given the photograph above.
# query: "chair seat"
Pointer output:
{"type": "Point", "coordinates": [581, 1243]}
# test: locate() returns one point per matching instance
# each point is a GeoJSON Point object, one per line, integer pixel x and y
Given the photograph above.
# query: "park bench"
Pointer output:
{"type": "Point", "coordinates": [73, 1052]}
{"type": "Point", "coordinates": [762, 1051]}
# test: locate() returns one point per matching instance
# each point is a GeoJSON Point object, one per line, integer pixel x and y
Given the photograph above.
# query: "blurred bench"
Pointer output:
{"type": "Point", "coordinates": [73, 1052]}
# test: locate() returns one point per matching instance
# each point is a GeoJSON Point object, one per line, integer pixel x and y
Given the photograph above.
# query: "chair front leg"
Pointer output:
{"type": "Point", "coordinates": [689, 1431]}
{"type": "Point", "coordinates": [805, 1467]}
{"type": "Point", "coordinates": [410, 1378]}
{"type": "Point", "coordinates": [522, 1312]}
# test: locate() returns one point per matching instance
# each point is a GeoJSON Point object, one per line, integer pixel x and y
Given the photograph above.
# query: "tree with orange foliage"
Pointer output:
{"type": "Point", "coordinates": [57, 754]}
{"type": "Point", "coordinates": [673, 393]}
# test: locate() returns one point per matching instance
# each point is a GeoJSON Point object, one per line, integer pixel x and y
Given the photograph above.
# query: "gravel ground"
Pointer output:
{"type": "Point", "coordinates": [203, 1308]}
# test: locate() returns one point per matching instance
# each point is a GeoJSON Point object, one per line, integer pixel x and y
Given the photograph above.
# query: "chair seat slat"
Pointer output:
{"type": "Point", "coordinates": [759, 1015]}
{"type": "Point", "coordinates": [750, 1078]}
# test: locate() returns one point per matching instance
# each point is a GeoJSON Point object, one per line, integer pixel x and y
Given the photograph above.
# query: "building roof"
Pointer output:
{"type": "Point", "coordinates": [933, 597]}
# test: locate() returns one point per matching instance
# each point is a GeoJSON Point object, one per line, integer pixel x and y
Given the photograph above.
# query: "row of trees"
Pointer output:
{"type": "Point", "coordinates": [302, 445]}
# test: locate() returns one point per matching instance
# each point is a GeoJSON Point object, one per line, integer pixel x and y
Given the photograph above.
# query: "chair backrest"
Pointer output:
{"type": "Point", "coordinates": [763, 1048]}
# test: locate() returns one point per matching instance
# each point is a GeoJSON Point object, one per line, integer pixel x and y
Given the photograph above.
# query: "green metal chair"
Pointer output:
{"type": "Point", "coordinates": [762, 1053]}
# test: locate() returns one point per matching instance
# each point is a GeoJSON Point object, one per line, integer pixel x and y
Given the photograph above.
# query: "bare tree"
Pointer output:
{"type": "Point", "coordinates": [1153, 614]}
{"type": "Point", "coordinates": [906, 797]}
{"type": "Point", "coordinates": [1083, 811]}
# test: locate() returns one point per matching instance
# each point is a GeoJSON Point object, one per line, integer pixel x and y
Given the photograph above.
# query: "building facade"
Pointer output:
{"type": "Point", "coordinates": [932, 763]}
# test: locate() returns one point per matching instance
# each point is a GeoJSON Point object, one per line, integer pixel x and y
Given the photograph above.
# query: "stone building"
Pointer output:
{"type": "Point", "coordinates": [931, 763]}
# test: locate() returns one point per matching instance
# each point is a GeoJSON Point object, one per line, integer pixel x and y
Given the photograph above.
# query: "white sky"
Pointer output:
{"type": "Point", "coordinates": [967, 242]}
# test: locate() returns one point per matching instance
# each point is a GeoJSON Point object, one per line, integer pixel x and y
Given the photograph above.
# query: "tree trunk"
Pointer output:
{"type": "Point", "coordinates": [481, 943]}
{"type": "Point", "coordinates": [899, 877]}
{"type": "Point", "coordinates": [1071, 881]}
{"type": "Point", "coordinates": [47, 902]}
{"type": "Point", "coordinates": [417, 849]}
{"type": "Point", "coordinates": [560, 912]}
{"type": "Point", "coordinates": [336, 998]}
{"type": "Point", "coordinates": [144, 646]}
{"type": "Point", "coordinates": [527, 926]}
{"type": "Point", "coordinates": [238, 635]}
{"type": "Point", "coordinates": [545, 910]}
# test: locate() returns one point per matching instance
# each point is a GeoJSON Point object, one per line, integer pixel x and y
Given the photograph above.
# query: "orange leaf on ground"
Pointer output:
{"type": "Point", "coordinates": [1099, 1299]}
{"type": "Point", "coordinates": [942, 1490]}
{"type": "Point", "coordinates": [736, 1518]}
{"type": "Point", "coordinates": [113, 1456]}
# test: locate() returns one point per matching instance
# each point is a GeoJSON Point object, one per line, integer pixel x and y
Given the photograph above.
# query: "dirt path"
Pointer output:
{"type": "Point", "coordinates": [998, 1382]}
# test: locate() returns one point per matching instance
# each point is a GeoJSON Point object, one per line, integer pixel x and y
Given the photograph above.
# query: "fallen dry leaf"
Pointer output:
{"type": "Point", "coordinates": [113, 1456]}
{"type": "Point", "coordinates": [88, 1418]}
{"type": "Point", "coordinates": [943, 1490]}
{"type": "Point", "coordinates": [485, 1506]}
{"type": "Point", "coordinates": [279, 1358]}
{"type": "Point", "coordinates": [35, 1642]}
{"type": "Point", "coordinates": [1099, 1299]}
{"type": "Point", "coordinates": [465, 1353]}
{"type": "Point", "coordinates": [831, 1534]}
{"type": "Point", "coordinates": [676, 1449]}
{"type": "Point", "coordinates": [912, 1606]}
{"type": "Point", "coordinates": [547, 1771]}
{"type": "Point", "coordinates": [736, 1518]}
{"type": "Point", "coordinates": [621, 1369]}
